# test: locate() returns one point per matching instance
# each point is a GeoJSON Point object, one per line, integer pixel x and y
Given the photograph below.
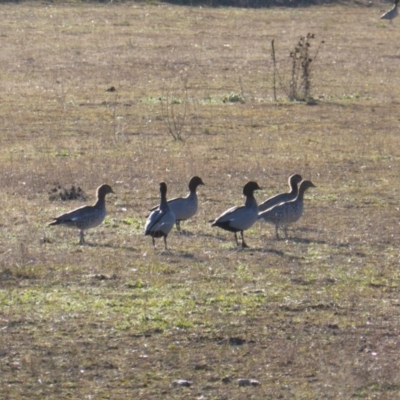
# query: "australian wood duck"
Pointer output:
{"type": "Point", "coordinates": [86, 217]}
{"type": "Point", "coordinates": [293, 181]}
{"type": "Point", "coordinates": [238, 219]}
{"type": "Point", "coordinates": [287, 213]}
{"type": "Point", "coordinates": [391, 14]}
{"type": "Point", "coordinates": [160, 221]}
{"type": "Point", "coordinates": [185, 207]}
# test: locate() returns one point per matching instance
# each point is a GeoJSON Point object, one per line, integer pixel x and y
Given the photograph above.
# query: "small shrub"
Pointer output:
{"type": "Point", "coordinates": [233, 98]}
{"type": "Point", "coordinates": [59, 192]}
{"type": "Point", "coordinates": [175, 111]}
{"type": "Point", "coordinates": [300, 81]}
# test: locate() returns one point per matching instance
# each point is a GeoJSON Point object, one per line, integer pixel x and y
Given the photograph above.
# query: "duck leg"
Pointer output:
{"type": "Point", "coordinates": [165, 243]}
{"type": "Point", "coordinates": [276, 232]}
{"type": "Point", "coordinates": [237, 242]}
{"type": "Point", "coordinates": [154, 242]}
{"type": "Point", "coordinates": [285, 231]}
{"type": "Point", "coordinates": [244, 244]}
{"type": "Point", "coordinates": [178, 226]}
{"type": "Point", "coordinates": [81, 237]}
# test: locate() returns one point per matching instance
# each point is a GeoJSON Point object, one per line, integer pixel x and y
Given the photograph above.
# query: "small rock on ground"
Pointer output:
{"type": "Point", "coordinates": [248, 382]}
{"type": "Point", "coordinates": [181, 382]}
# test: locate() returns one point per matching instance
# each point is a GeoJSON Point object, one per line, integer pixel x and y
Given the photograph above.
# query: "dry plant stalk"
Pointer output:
{"type": "Point", "coordinates": [300, 83]}
{"type": "Point", "coordinates": [174, 110]}
{"type": "Point", "coordinates": [274, 70]}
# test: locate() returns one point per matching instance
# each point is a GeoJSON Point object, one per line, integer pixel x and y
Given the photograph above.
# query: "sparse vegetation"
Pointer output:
{"type": "Point", "coordinates": [312, 317]}
{"type": "Point", "coordinates": [300, 83]}
{"type": "Point", "coordinates": [175, 111]}
{"type": "Point", "coordinates": [233, 98]}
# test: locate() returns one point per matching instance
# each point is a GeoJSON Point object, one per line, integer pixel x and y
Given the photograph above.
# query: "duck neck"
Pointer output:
{"type": "Point", "coordinates": [192, 189]}
{"type": "Point", "coordinates": [300, 195]}
{"type": "Point", "coordinates": [251, 201]}
{"type": "Point", "coordinates": [163, 203]}
{"type": "Point", "coordinates": [101, 201]}
{"type": "Point", "coordinates": [294, 189]}
{"type": "Point", "coordinates": [192, 195]}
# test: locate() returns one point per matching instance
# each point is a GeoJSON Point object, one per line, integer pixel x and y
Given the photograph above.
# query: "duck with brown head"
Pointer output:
{"type": "Point", "coordinates": [287, 213]}
{"type": "Point", "coordinates": [238, 219]}
{"type": "Point", "coordinates": [293, 181]}
{"type": "Point", "coordinates": [185, 207]}
{"type": "Point", "coordinates": [86, 217]}
{"type": "Point", "coordinates": [160, 221]}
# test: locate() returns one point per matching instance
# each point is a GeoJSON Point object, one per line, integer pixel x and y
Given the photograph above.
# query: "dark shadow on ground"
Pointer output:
{"type": "Point", "coordinates": [264, 3]}
{"type": "Point", "coordinates": [214, 3]}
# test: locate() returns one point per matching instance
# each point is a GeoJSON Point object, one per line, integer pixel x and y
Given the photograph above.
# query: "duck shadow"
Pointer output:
{"type": "Point", "coordinates": [106, 246]}
{"type": "Point", "coordinates": [279, 253]}
{"type": "Point", "coordinates": [264, 250]}
{"type": "Point", "coordinates": [252, 249]}
{"type": "Point", "coordinates": [295, 239]}
{"type": "Point", "coordinates": [185, 233]}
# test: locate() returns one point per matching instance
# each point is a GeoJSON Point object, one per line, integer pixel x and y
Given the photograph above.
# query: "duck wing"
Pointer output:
{"type": "Point", "coordinates": [175, 200]}
{"type": "Point", "coordinates": [74, 216]}
{"type": "Point", "coordinates": [275, 200]}
{"type": "Point", "coordinates": [157, 219]}
{"type": "Point", "coordinates": [225, 216]}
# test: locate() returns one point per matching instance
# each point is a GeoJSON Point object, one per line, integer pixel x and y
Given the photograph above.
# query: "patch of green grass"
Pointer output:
{"type": "Point", "coordinates": [233, 98]}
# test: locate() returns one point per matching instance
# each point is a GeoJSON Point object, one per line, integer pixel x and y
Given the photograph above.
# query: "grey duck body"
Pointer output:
{"type": "Point", "coordinates": [238, 219]}
{"type": "Point", "coordinates": [185, 207]}
{"type": "Point", "coordinates": [287, 213]}
{"type": "Point", "coordinates": [86, 217]}
{"type": "Point", "coordinates": [160, 221]}
{"type": "Point", "coordinates": [393, 13]}
{"type": "Point", "coordinates": [293, 181]}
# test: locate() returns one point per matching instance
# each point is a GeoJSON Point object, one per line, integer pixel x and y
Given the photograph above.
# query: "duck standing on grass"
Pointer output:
{"type": "Point", "coordinates": [185, 207]}
{"type": "Point", "coordinates": [160, 221]}
{"type": "Point", "coordinates": [86, 217]}
{"type": "Point", "coordinates": [287, 213]}
{"type": "Point", "coordinates": [293, 181]}
{"type": "Point", "coordinates": [391, 14]}
{"type": "Point", "coordinates": [238, 219]}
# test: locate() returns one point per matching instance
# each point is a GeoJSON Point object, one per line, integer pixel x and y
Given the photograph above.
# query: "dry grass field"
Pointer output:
{"type": "Point", "coordinates": [316, 316]}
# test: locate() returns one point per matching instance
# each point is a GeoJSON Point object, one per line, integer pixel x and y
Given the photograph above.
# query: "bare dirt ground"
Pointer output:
{"type": "Point", "coordinates": [315, 316]}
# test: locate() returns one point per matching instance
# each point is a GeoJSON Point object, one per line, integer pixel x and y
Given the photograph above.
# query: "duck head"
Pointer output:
{"type": "Point", "coordinates": [194, 182]}
{"type": "Point", "coordinates": [250, 187]}
{"type": "Point", "coordinates": [304, 185]}
{"type": "Point", "coordinates": [103, 190]}
{"type": "Point", "coordinates": [163, 188]}
{"type": "Point", "coordinates": [295, 180]}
